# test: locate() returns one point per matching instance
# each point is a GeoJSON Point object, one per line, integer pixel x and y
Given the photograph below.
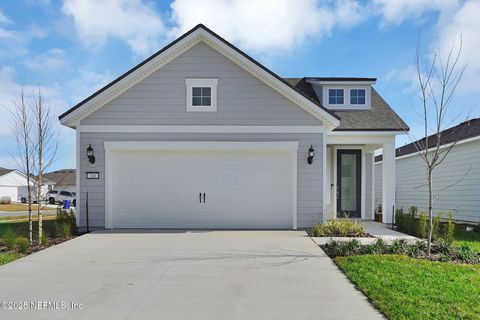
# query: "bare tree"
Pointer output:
{"type": "Point", "coordinates": [438, 82]}
{"type": "Point", "coordinates": [45, 143]}
{"type": "Point", "coordinates": [23, 157]}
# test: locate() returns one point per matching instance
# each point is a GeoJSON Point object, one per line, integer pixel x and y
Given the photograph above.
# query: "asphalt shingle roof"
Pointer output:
{"type": "Point", "coordinates": [463, 131]}
{"type": "Point", "coordinates": [380, 117]}
{"type": "Point", "coordinates": [5, 171]}
{"type": "Point", "coordinates": [66, 177]}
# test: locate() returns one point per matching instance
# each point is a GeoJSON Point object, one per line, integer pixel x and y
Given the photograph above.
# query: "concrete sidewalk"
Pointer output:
{"type": "Point", "coordinates": [184, 275]}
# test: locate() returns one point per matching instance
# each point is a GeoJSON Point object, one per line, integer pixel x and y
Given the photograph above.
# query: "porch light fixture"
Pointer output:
{"type": "Point", "coordinates": [91, 157]}
{"type": "Point", "coordinates": [311, 154]}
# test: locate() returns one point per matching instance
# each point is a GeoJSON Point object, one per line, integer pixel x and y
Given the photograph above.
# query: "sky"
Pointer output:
{"type": "Point", "coordinates": [68, 49]}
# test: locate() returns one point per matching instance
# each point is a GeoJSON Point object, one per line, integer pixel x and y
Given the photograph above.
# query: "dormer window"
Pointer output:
{"type": "Point", "coordinates": [357, 96]}
{"type": "Point", "coordinates": [201, 95]}
{"type": "Point", "coordinates": [335, 96]}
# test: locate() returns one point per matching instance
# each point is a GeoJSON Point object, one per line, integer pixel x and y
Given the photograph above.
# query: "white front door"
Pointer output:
{"type": "Point", "coordinates": [202, 189]}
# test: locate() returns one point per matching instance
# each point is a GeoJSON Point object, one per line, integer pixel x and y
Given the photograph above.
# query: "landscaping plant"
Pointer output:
{"type": "Point", "coordinates": [9, 238]}
{"type": "Point", "coordinates": [423, 225]}
{"type": "Point", "coordinates": [339, 228]}
{"type": "Point", "coordinates": [22, 244]}
{"type": "Point", "coordinates": [44, 239]}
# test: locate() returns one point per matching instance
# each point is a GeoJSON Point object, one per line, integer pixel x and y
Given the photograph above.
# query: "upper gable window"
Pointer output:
{"type": "Point", "coordinates": [201, 95]}
{"type": "Point", "coordinates": [335, 96]}
{"type": "Point", "coordinates": [357, 96]}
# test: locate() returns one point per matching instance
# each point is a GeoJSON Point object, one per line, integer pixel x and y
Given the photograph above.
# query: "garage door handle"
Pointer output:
{"type": "Point", "coordinates": [204, 197]}
{"type": "Point", "coordinates": [200, 197]}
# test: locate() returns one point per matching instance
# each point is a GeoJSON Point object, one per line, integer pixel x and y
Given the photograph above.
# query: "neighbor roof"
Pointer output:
{"type": "Point", "coordinates": [65, 177]}
{"type": "Point", "coordinates": [465, 130]}
{"type": "Point", "coordinates": [326, 112]}
{"type": "Point", "coordinates": [5, 171]}
{"type": "Point", "coordinates": [334, 79]}
{"type": "Point", "coordinates": [380, 117]}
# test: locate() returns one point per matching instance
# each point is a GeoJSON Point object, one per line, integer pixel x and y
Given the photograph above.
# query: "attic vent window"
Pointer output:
{"type": "Point", "coordinates": [201, 95]}
{"type": "Point", "coordinates": [357, 96]}
{"type": "Point", "coordinates": [335, 96]}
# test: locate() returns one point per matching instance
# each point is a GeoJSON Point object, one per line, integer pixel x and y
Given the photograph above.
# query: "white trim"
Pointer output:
{"type": "Point", "coordinates": [364, 183]}
{"type": "Point", "coordinates": [346, 83]}
{"type": "Point", "coordinates": [326, 187]}
{"type": "Point", "coordinates": [416, 153]}
{"type": "Point", "coordinates": [77, 177]}
{"type": "Point", "coordinates": [200, 129]}
{"type": "Point", "coordinates": [209, 83]}
{"type": "Point", "coordinates": [110, 146]}
{"type": "Point", "coordinates": [373, 186]}
{"type": "Point", "coordinates": [199, 35]}
{"type": "Point", "coordinates": [365, 133]}
{"type": "Point", "coordinates": [346, 87]}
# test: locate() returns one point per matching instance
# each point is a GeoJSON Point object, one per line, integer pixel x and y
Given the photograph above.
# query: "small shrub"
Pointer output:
{"type": "Point", "coordinates": [399, 246]}
{"type": "Point", "coordinates": [44, 239]}
{"type": "Point", "coordinates": [64, 229]}
{"type": "Point", "coordinates": [423, 226]}
{"type": "Point", "coordinates": [444, 247]}
{"type": "Point", "coordinates": [339, 228]}
{"type": "Point", "coordinates": [449, 229]}
{"type": "Point", "coordinates": [343, 248]}
{"type": "Point", "coordinates": [9, 238]}
{"type": "Point", "coordinates": [399, 219]}
{"type": "Point", "coordinates": [378, 247]}
{"type": "Point", "coordinates": [467, 254]}
{"type": "Point", "coordinates": [22, 244]}
{"type": "Point", "coordinates": [436, 226]}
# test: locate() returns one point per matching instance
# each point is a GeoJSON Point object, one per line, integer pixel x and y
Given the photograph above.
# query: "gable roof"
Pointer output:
{"type": "Point", "coordinates": [177, 47]}
{"type": "Point", "coordinates": [465, 130]}
{"type": "Point", "coordinates": [4, 171]}
{"type": "Point", "coordinates": [380, 117]}
{"type": "Point", "coordinates": [65, 177]}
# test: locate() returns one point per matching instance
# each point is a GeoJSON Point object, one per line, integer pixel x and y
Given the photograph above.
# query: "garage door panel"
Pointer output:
{"type": "Point", "coordinates": [160, 189]}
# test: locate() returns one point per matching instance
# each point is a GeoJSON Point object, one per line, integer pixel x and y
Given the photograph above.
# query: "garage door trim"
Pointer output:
{"type": "Point", "coordinates": [289, 146]}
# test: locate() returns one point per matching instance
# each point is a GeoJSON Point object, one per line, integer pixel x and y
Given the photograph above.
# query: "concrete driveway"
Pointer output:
{"type": "Point", "coordinates": [182, 275]}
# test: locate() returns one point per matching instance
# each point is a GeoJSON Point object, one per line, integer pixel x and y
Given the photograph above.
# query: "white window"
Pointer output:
{"type": "Point", "coordinates": [335, 96]}
{"type": "Point", "coordinates": [357, 96]}
{"type": "Point", "coordinates": [201, 95]}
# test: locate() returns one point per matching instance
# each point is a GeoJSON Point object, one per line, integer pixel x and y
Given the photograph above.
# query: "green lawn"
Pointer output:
{"type": "Point", "coordinates": [470, 238]}
{"type": "Point", "coordinates": [8, 257]}
{"type": "Point", "coordinates": [408, 288]}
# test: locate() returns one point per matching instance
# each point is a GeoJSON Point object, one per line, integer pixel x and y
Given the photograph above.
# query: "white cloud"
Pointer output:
{"type": "Point", "coordinates": [465, 23]}
{"type": "Point", "coordinates": [52, 60]}
{"type": "Point", "coordinates": [397, 11]}
{"type": "Point", "coordinates": [4, 19]}
{"type": "Point", "coordinates": [267, 25]}
{"type": "Point", "coordinates": [130, 20]}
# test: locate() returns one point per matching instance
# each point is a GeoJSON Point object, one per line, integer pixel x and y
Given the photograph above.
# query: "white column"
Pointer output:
{"type": "Point", "coordinates": [388, 180]}
{"type": "Point", "coordinates": [77, 174]}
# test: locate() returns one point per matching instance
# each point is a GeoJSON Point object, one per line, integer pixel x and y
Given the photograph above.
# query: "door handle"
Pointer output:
{"type": "Point", "coordinates": [200, 197]}
{"type": "Point", "coordinates": [204, 197]}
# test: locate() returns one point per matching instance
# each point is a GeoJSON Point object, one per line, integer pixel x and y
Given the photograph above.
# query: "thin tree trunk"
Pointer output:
{"type": "Point", "coordinates": [430, 212]}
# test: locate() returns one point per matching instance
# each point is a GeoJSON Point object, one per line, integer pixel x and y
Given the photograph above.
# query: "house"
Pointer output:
{"type": "Point", "coordinates": [13, 184]}
{"type": "Point", "coordinates": [456, 181]}
{"type": "Point", "coordinates": [200, 135]}
{"type": "Point", "coordinates": [61, 180]}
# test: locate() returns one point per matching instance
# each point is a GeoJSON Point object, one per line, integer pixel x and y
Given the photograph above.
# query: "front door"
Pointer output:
{"type": "Point", "coordinates": [349, 183]}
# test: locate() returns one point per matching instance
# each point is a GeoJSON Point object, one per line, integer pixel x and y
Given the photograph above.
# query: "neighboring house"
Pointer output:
{"type": "Point", "coordinates": [200, 135]}
{"type": "Point", "coordinates": [61, 180]}
{"type": "Point", "coordinates": [13, 184]}
{"type": "Point", "coordinates": [456, 182]}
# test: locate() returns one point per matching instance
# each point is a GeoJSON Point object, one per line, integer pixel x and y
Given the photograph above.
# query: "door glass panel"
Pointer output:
{"type": "Point", "coordinates": [348, 201]}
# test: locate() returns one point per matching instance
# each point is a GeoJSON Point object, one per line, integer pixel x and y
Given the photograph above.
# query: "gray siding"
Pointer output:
{"type": "Point", "coordinates": [309, 183]}
{"type": "Point", "coordinates": [369, 214]}
{"type": "Point", "coordinates": [456, 183]}
{"type": "Point", "coordinates": [161, 97]}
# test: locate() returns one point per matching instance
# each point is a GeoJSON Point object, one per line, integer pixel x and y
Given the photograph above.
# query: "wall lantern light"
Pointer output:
{"type": "Point", "coordinates": [311, 154]}
{"type": "Point", "coordinates": [91, 157]}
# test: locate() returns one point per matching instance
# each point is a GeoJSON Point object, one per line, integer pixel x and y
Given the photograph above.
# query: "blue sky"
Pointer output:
{"type": "Point", "coordinates": [71, 48]}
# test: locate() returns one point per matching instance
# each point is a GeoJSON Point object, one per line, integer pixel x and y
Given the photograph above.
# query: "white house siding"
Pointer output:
{"type": "Point", "coordinates": [11, 185]}
{"type": "Point", "coordinates": [456, 183]}
{"type": "Point", "coordinates": [309, 177]}
{"type": "Point", "coordinates": [368, 186]}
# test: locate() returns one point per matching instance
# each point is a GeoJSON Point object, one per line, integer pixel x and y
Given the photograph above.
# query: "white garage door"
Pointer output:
{"type": "Point", "coordinates": [202, 189]}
